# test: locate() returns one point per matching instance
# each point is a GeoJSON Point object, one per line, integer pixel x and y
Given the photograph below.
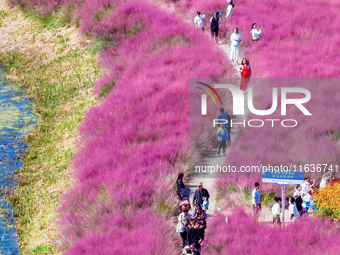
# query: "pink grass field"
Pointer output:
{"type": "Point", "coordinates": [137, 139]}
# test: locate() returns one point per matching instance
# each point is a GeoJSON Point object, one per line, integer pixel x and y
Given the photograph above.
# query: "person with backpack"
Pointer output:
{"type": "Point", "coordinates": [214, 26]}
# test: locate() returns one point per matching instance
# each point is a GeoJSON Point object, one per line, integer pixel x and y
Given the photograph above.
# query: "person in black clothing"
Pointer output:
{"type": "Point", "coordinates": [195, 235]}
{"type": "Point", "coordinates": [201, 220]}
{"type": "Point", "coordinates": [215, 22]}
{"type": "Point", "coordinates": [200, 194]}
{"type": "Point", "coordinates": [298, 199]}
{"type": "Point", "coordinates": [180, 186]}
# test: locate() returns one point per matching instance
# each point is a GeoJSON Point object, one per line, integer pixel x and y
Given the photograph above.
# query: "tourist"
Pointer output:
{"type": "Point", "coordinates": [245, 71]}
{"type": "Point", "coordinates": [327, 178]}
{"type": "Point", "coordinates": [225, 116]}
{"type": "Point", "coordinates": [199, 21]}
{"type": "Point", "coordinates": [235, 39]}
{"type": "Point", "coordinates": [200, 194]}
{"type": "Point", "coordinates": [256, 201]}
{"type": "Point", "coordinates": [230, 10]}
{"type": "Point", "coordinates": [276, 210]}
{"type": "Point", "coordinates": [222, 135]}
{"type": "Point", "coordinates": [180, 186]}
{"type": "Point", "coordinates": [190, 250]}
{"type": "Point", "coordinates": [195, 236]}
{"type": "Point", "coordinates": [201, 221]}
{"type": "Point", "coordinates": [214, 26]}
{"type": "Point", "coordinates": [185, 205]}
{"type": "Point", "coordinates": [255, 33]}
{"type": "Point", "coordinates": [182, 224]}
{"type": "Point", "coordinates": [293, 211]}
{"type": "Point", "coordinates": [198, 208]}
{"type": "Point", "coordinates": [298, 199]}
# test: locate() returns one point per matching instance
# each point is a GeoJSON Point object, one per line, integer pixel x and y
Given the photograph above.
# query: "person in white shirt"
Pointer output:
{"type": "Point", "coordinates": [276, 210]}
{"type": "Point", "coordinates": [293, 211]}
{"type": "Point", "coordinates": [199, 20]}
{"type": "Point", "coordinates": [183, 219]}
{"type": "Point", "coordinates": [230, 10]}
{"type": "Point", "coordinates": [235, 39]}
{"type": "Point", "coordinates": [256, 200]}
{"type": "Point", "coordinates": [255, 33]}
{"type": "Point", "coordinates": [327, 177]}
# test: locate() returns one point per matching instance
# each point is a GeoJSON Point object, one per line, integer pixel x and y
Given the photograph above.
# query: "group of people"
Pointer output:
{"type": "Point", "coordinates": [191, 227]}
{"type": "Point", "coordinates": [298, 205]}
{"type": "Point", "coordinates": [235, 40]}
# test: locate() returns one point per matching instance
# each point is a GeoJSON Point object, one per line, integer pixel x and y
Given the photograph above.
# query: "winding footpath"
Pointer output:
{"type": "Point", "coordinates": [210, 158]}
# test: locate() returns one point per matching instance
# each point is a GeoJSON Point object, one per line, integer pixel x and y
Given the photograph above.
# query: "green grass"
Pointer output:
{"type": "Point", "coordinates": [52, 20]}
{"type": "Point", "coordinates": [60, 89]}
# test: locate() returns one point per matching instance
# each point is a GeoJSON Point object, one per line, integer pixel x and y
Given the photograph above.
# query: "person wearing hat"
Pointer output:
{"type": "Point", "coordinates": [200, 194]}
{"type": "Point", "coordinates": [225, 116]}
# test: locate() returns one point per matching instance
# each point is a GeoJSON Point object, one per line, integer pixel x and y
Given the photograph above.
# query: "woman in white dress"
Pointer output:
{"type": "Point", "coordinates": [235, 40]}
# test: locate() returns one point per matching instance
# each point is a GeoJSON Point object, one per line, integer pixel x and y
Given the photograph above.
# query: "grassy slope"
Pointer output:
{"type": "Point", "coordinates": [45, 58]}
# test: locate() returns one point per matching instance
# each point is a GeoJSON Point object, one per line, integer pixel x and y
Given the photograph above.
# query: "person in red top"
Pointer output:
{"type": "Point", "coordinates": [245, 75]}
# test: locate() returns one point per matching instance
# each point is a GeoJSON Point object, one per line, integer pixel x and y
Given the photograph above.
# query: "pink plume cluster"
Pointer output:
{"type": "Point", "coordinates": [243, 235]}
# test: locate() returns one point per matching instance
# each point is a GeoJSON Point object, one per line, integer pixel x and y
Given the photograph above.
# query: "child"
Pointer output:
{"type": "Point", "coordinates": [293, 211]}
{"type": "Point", "coordinates": [276, 210]}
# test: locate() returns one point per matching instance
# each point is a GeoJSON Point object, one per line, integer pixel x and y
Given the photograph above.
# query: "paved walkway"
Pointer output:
{"type": "Point", "coordinates": [210, 158]}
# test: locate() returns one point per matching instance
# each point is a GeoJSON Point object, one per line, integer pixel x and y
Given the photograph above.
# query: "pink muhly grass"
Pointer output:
{"type": "Point", "coordinates": [243, 235]}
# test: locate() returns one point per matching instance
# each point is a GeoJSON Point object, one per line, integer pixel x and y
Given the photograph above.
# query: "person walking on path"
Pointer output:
{"type": "Point", "coordinates": [235, 48]}
{"type": "Point", "coordinates": [255, 33]}
{"type": "Point", "coordinates": [199, 20]}
{"type": "Point", "coordinates": [230, 10]}
{"type": "Point", "coordinates": [195, 235]}
{"type": "Point", "coordinates": [276, 210]}
{"type": "Point", "coordinates": [200, 194]}
{"type": "Point", "coordinates": [180, 186]}
{"type": "Point", "coordinates": [256, 201]}
{"type": "Point", "coordinates": [225, 116]}
{"type": "Point", "coordinates": [183, 219]}
{"type": "Point", "coordinates": [245, 71]}
{"type": "Point", "coordinates": [198, 208]}
{"type": "Point", "coordinates": [293, 211]}
{"type": "Point", "coordinates": [222, 134]}
{"type": "Point", "coordinates": [214, 26]}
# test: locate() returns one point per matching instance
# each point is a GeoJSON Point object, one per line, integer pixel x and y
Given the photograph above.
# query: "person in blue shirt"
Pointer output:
{"type": "Point", "coordinates": [256, 201]}
{"type": "Point", "coordinates": [225, 116]}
